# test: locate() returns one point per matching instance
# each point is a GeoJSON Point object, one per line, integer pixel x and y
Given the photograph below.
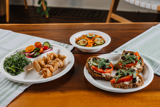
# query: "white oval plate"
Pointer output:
{"type": "Point", "coordinates": [147, 75]}
{"type": "Point", "coordinates": [33, 76]}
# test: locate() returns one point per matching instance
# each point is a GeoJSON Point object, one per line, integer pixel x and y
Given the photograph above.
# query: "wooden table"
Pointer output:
{"type": "Point", "coordinates": [73, 89]}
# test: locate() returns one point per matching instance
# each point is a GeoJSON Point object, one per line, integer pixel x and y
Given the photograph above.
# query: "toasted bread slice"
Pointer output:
{"type": "Point", "coordinates": [138, 69]}
{"type": "Point", "coordinates": [140, 82]}
{"type": "Point", "coordinates": [97, 75]}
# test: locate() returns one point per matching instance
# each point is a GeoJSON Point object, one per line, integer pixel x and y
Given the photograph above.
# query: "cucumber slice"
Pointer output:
{"type": "Point", "coordinates": [47, 44]}
{"type": "Point", "coordinates": [82, 42]}
{"type": "Point", "coordinates": [90, 35]}
{"type": "Point", "coordinates": [99, 41]}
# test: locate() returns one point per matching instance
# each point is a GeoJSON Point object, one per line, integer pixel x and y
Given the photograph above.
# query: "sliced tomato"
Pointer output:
{"type": "Point", "coordinates": [38, 44]}
{"type": "Point", "coordinates": [103, 71]}
{"type": "Point", "coordinates": [41, 50]}
{"type": "Point", "coordinates": [123, 79]}
{"type": "Point", "coordinates": [30, 48]}
{"type": "Point", "coordinates": [130, 64]}
{"type": "Point", "coordinates": [45, 47]}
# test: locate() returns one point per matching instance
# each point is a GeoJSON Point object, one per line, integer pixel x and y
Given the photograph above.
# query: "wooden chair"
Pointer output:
{"type": "Point", "coordinates": [114, 5]}
{"type": "Point", "coordinates": [25, 2]}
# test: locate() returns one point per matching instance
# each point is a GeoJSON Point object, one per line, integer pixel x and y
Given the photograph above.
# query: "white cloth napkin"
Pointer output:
{"type": "Point", "coordinates": [10, 41]}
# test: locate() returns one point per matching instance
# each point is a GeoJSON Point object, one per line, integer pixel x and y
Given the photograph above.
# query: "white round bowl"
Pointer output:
{"type": "Point", "coordinates": [105, 36]}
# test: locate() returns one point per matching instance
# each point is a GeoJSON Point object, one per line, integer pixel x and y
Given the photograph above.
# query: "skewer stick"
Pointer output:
{"type": "Point", "coordinates": [40, 77]}
{"type": "Point", "coordinates": [30, 68]}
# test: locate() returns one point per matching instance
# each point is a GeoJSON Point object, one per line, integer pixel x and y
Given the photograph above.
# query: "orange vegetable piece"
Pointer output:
{"type": "Point", "coordinates": [41, 50]}
{"type": "Point", "coordinates": [130, 64]}
{"type": "Point", "coordinates": [123, 79]}
{"type": "Point", "coordinates": [103, 71]}
{"type": "Point", "coordinates": [30, 48]}
{"type": "Point", "coordinates": [137, 54]}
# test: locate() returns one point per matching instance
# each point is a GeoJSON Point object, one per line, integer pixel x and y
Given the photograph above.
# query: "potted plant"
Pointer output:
{"type": "Point", "coordinates": [40, 9]}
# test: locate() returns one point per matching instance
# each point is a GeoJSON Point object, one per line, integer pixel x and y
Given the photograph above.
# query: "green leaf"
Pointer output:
{"type": "Point", "coordinates": [41, 6]}
{"type": "Point", "coordinates": [46, 13]}
{"type": "Point", "coordinates": [139, 61]}
{"type": "Point", "coordinates": [48, 9]}
{"type": "Point", "coordinates": [117, 78]}
{"type": "Point", "coordinates": [102, 62]}
{"type": "Point", "coordinates": [39, 2]}
{"type": "Point", "coordinates": [15, 63]}
{"type": "Point", "coordinates": [42, 13]}
{"type": "Point", "coordinates": [132, 60]}
{"type": "Point", "coordinates": [123, 73]}
{"type": "Point", "coordinates": [38, 10]}
{"type": "Point", "coordinates": [45, 2]}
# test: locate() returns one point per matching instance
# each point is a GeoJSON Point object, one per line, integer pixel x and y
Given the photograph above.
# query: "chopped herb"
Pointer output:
{"type": "Point", "coordinates": [15, 64]}
{"type": "Point", "coordinates": [123, 73]}
{"type": "Point", "coordinates": [129, 59]}
{"type": "Point", "coordinates": [102, 62]}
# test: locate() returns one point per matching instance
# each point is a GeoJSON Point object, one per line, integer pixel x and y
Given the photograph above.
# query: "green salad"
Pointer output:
{"type": "Point", "coordinates": [15, 63]}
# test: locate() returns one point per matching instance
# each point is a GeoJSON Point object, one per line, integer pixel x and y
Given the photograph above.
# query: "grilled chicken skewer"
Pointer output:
{"type": "Point", "coordinates": [48, 64]}
{"type": "Point", "coordinates": [52, 66]}
{"type": "Point", "coordinates": [39, 64]}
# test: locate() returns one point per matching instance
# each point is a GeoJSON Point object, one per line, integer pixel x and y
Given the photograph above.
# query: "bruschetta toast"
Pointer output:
{"type": "Point", "coordinates": [127, 79]}
{"type": "Point", "coordinates": [130, 60]}
{"type": "Point", "coordinates": [99, 68]}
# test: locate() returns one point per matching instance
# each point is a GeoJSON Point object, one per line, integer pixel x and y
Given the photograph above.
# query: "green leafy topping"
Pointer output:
{"type": "Point", "coordinates": [129, 59]}
{"type": "Point", "coordinates": [123, 73]}
{"type": "Point", "coordinates": [139, 61]}
{"type": "Point", "coordinates": [101, 62]}
{"type": "Point", "coordinates": [15, 64]}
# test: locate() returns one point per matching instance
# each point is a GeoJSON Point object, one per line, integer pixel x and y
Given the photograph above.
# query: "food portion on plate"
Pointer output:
{"type": "Point", "coordinates": [90, 40]}
{"type": "Point", "coordinates": [15, 63]}
{"type": "Point", "coordinates": [99, 68]}
{"type": "Point", "coordinates": [45, 65]}
{"type": "Point", "coordinates": [37, 49]}
{"type": "Point", "coordinates": [127, 79]}
{"type": "Point", "coordinates": [127, 69]}
{"type": "Point", "coordinates": [129, 60]}
{"type": "Point", "coordinates": [48, 64]}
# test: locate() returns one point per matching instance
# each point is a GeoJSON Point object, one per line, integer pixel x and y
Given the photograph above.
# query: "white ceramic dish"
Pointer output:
{"type": "Point", "coordinates": [147, 75]}
{"type": "Point", "coordinates": [33, 76]}
{"type": "Point", "coordinates": [105, 36]}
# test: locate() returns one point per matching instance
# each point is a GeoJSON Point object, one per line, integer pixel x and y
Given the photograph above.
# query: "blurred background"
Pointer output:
{"type": "Point", "coordinates": [74, 11]}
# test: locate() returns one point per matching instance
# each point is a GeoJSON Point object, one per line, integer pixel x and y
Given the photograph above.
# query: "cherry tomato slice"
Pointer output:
{"type": "Point", "coordinates": [130, 64]}
{"type": "Point", "coordinates": [38, 44]}
{"type": "Point", "coordinates": [123, 79]}
{"type": "Point", "coordinates": [45, 47]}
{"type": "Point", "coordinates": [41, 50]}
{"type": "Point", "coordinates": [103, 71]}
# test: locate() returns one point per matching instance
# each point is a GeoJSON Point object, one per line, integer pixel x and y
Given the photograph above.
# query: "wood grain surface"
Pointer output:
{"type": "Point", "coordinates": [73, 90]}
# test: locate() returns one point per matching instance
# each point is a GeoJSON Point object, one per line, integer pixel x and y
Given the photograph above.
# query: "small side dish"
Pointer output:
{"type": "Point", "coordinates": [99, 68]}
{"type": "Point", "coordinates": [127, 79]}
{"type": "Point", "coordinates": [90, 40]}
{"type": "Point", "coordinates": [130, 60]}
{"type": "Point", "coordinates": [37, 49]}
{"type": "Point", "coordinates": [15, 63]}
